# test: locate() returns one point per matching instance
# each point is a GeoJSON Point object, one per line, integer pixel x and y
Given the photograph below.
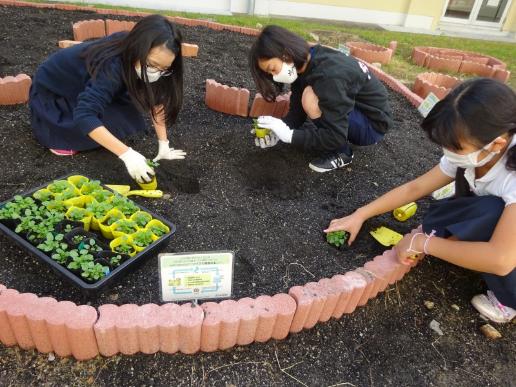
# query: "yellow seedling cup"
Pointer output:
{"type": "Point", "coordinates": [77, 180]}
{"type": "Point", "coordinates": [157, 222]}
{"type": "Point", "coordinates": [43, 194]}
{"type": "Point", "coordinates": [105, 228]}
{"type": "Point", "coordinates": [74, 202]}
{"type": "Point", "coordinates": [121, 240]}
{"type": "Point", "coordinates": [404, 212]}
{"type": "Point", "coordinates": [140, 248]}
{"type": "Point", "coordinates": [137, 214]}
{"type": "Point", "coordinates": [86, 220]}
{"type": "Point", "coordinates": [117, 233]}
{"type": "Point", "coordinates": [261, 132]}
{"type": "Point", "coordinates": [152, 185]}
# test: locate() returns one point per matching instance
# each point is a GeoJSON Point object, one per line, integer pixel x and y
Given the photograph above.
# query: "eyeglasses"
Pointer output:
{"type": "Point", "coordinates": [162, 73]}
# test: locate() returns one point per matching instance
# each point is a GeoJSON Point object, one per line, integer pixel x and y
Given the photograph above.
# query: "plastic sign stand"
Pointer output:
{"type": "Point", "coordinates": [428, 104]}
{"type": "Point", "coordinates": [196, 275]}
{"type": "Point", "coordinates": [344, 49]}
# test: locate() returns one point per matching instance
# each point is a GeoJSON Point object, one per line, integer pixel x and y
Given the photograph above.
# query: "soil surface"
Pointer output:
{"type": "Point", "coordinates": [268, 207]}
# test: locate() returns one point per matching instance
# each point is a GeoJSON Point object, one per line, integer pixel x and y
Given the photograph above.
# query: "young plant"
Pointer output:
{"type": "Point", "coordinates": [141, 218]}
{"type": "Point", "coordinates": [157, 229]}
{"type": "Point", "coordinates": [56, 205]}
{"type": "Point", "coordinates": [79, 258]}
{"type": "Point", "coordinates": [124, 248]}
{"type": "Point", "coordinates": [115, 260]}
{"type": "Point", "coordinates": [337, 238]}
{"type": "Point", "coordinates": [126, 206]}
{"type": "Point", "coordinates": [143, 238]}
{"type": "Point", "coordinates": [126, 226]}
{"type": "Point", "coordinates": [94, 271]}
{"type": "Point", "coordinates": [101, 196]}
{"type": "Point", "coordinates": [112, 218]}
{"type": "Point", "coordinates": [59, 186]}
{"type": "Point", "coordinates": [99, 209]}
{"type": "Point", "coordinates": [18, 207]}
{"type": "Point", "coordinates": [61, 255]}
{"type": "Point", "coordinates": [90, 244]}
{"type": "Point", "coordinates": [77, 214]}
{"type": "Point", "coordinates": [91, 186]}
{"type": "Point", "coordinates": [80, 180]}
{"type": "Point", "coordinates": [152, 164]}
{"type": "Point", "coordinates": [42, 195]}
{"type": "Point", "coordinates": [77, 239]}
{"type": "Point", "coordinates": [52, 242]}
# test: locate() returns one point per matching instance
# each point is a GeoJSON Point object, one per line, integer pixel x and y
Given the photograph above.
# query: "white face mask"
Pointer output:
{"type": "Point", "coordinates": [288, 74]}
{"type": "Point", "coordinates": [471, 159]}
{"type": "Point", "coordinates": [152, 74]}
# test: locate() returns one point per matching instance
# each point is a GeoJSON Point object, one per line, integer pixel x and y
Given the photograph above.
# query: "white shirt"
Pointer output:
{"type": "Point", "coordinates": [498, 181]}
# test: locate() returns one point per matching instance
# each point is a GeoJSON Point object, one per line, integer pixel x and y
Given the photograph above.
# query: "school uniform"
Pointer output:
{"type": "Point", "coordinates": [353, 102]}
{"type": "Point", "coordinates": [66, 103]}
{"type": "Point", "coordinates": [474, 217]}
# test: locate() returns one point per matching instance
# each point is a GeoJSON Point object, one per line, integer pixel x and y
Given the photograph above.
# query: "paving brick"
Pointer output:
{"type": "Point", "coordinates": [56, 318]}
{"type": "Point", "coordinates": [502, 75]}
{"type": "Point", "coordinates": [80, 333]}
{"type": "Point", "coordinates": [16, 313]}
{"type": "Point", "coordinates": [370, 52]}
{"type": "Point", "coordinates": [480, 69]}
{"type": "Point", "coordinates": [89, 29]}
{"type": "Point", "coordinates": [358, 283]}
{"type": "Point", "coordinates": [7, 297]}
{"type": "Point", "coordinates": [210, 332]}
{"type": "Point", "coordinates": [189, 50]}
{"type": "Point", "coordinates": [285, 308]}
{"type": "Point", "coordinates": [148, 328]}
{"type": "Point", "coordinates": [393, 45]}
{"type": "Point", "coordinates": [37, 324]}
{"type": "Point", "coordinates": [343, 288]}
{"type": "Point", "coordinates": [230, 324]}
{"type": "Point", "coordinates": [369, 289]}
{"type": "Point", "coordinates": [333, 292]}
{"type": "Point", "coordinates": [225, 99]}
{"type": "Point", "coordinates": [14, 90]}
{"type": "Point", "coordinates": [113, 26]}
{"type": "Point", "coordinates": [68, 43]}
{"type": "Point", "coordinates": [319, 295]}
{"type": "Point", "coordinates": [304, 303]}
{"type": "Point", "coordinates": [261, 107]}
{"type": "Point", "coordinates": [190, 328]}
{"type": "Point", "coordinates": [2, 288]}
{"type": "Point", "coordinates": [267, 318]}
{"type": "Point", "coordinates": [169, 320]}
{"type": "Point", "coordinates": [248, 321]}
{"type": "Point", "coordinates": [381, 275]}
{"type": "Point", "coordinates": [105, 330]}
{"type": "Point", "coordinates": [127, 329]}
{"type": "Point", "coordinates": [443, 64]}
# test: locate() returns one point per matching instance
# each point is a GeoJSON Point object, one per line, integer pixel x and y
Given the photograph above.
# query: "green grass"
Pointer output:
{"type": "Point", "coordinates": [332, 33]}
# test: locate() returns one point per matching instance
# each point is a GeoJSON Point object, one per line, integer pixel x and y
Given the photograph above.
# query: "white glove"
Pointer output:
{"type": "Point", "coordinates": [167, 153]}
{"type": "Point", "coordinates": [277, 126]}
{"type": "Point", "coordinates": [266, 142]}
{"type": "Point", "coordinates": [136, 165]}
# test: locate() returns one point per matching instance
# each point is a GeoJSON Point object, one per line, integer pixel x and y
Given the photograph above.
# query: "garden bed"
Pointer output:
{"type": "Point", "coordinates": [266, 205]}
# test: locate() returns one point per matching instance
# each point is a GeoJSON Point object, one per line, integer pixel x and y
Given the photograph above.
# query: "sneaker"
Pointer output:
{"type": "Point", "coordinates": [331, 162]}
{"type": "Point", "coordinates": [491, 308]}
{"type": "Point", "coordinates": [63, 152]}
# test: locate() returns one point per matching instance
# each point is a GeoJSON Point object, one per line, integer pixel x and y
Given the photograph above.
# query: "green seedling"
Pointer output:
{"type": "Point", "coordinates": [52, 242]}
{"type": "Point", "coordinates": [126, 206]}
{"type": "Point", "coordinates": [55, 205]}
{"type": "Point", "coordinates": [152, 164]}
{"type": "Point", "coordinates": [59, 186]}
{"type": "Point", "coordinates": [90, 187]}
{"type": "Point", "coordinates": [112, 218]}
{"type": "Point", "coordinates": [115, 260]}
{"type": "Point", "coordinates": [124, 248]}
{"type": "Point", "coordinates": [79, 258]}
{"type": "Point", "coordinates": [42, 195]}
{"type": "Point", "coordinates": [141, 218]}
{"type": "Point", "coordinates": [61, 255]}
{"type": "Point", "coordinates": [101, 196]}
{"type": "Point", "coordinates": [258, 131]}
{"type": "Point", "coordinates": [80, 181]}
{"type": "Point", "coordinates": [101, 208]}
{"type": "Point", "coordinates": [77, 239]}
{"type": "Point", "coordinates": [77, 214]}
{"type": "Point", "coordinates": [337, 238]}
{"type": "Point", "coordinates": [94, 271]}
{"type": "Point", "coordinates": [90, 244]}
{"type": "Point", "coordinates": [126, 226]}
{"type": "Point", "coordinates": [158, 230]}
{"type": "Point", "coordinates": [143, 238]}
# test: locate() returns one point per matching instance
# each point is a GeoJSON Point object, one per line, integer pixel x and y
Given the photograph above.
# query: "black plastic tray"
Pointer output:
{"type": "Point", "coordinates": [88, 289]}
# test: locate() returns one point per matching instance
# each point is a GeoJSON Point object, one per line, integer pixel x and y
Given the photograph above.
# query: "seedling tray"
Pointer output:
{"type": "Point", "coordinates": [91, 289]}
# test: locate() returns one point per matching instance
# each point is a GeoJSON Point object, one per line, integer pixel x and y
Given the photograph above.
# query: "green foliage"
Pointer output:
{"type": "Point", "coordinates": [101, 196]}
{"type": "Point", "coordinates": [157, 229]}
{"type": "Point", "coordinates": [337, 238]}
{"type": "Point", "coordinates": [78, 238]}
{"type": "Point", "coordinates": [61, 255]}
{"type": "Point", "coordinates": [112, 218]}
{"type": "Point", "coordinates": [79, 258]}
{"type": "Point", "coordinates": [80, 182]}
{"type": "Point", "coordinates": [94, 271]}
{"type": "Point", "coordinates": [141, 218]}
{"type": "Point", "coordinates": [42, 195]}
{"type": "Point", "coordinates": [18, 207]}
{"type": "Point", "coordinates": [52, 242]}
{"type": "Point", "coordinates": [99, 209]}
{"type": "Point", "coordinates": [90, 187]}
{"type": "Point", "coordinates": [126, 226]}
{"type": "Point", "coordinates": [115, 260]}
{"type": "Point", "coordinates": [124, 248]}
{"type": "Point", "coordinates": [143, 238]}
{"type": "Point", "coordinates": [59, 186]}
{"type": "Point", "coordinates": [56, 205]}
{"type": "Point", "coordinates": [152, 164]}
{"type": "Point", "coordinates": [77, 214]}
{"type": "Point", "coordinates": [90, 244]}
{"type": "Point", "coordinates": [126, 206]}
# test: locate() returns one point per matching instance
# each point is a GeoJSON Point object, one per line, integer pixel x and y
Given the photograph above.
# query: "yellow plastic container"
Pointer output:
{"type": "Point", "coordinates": [139, 248]}
{"type": "Point", "coordinates": [134, 216]}
{"type": "Point", "coordinates": [105, 229]}
{"type": "Point", "coordinates": [157, 222]}
{"type": "Point", "coordinates": [43, 194]}
{"type": "Point", "coordinates": [405, 212]}
{"type": "Point", "coordinates": [86, 220]}
{"type": "Point", "coordinates": [116, 233]}
{"type": "Point", "coordinates": [152, 185]}
{"type": "Point", "coordinates": [120, 240]}
{"type": "Point", "coordinates": [51, 186]}
{"type": "Point", "coordinates": [77, 180]}
{"type": "Point", "coordinates": [261, 132]}
{"type": "Point", "coordinates": [74, 202]}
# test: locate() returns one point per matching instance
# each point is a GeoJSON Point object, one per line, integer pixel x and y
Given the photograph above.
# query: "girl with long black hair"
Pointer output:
{"type": "Point", "coordinates": [476, 126]}
{"type": "Point", "coordinates": [94, 93]}
{"type": "Point", "coordinates": [345, 102]}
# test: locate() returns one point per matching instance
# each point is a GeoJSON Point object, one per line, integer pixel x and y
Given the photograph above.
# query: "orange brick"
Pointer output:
{"type": "Point", "coordinates": [56, 318]}
{"type": "Point", "coordinates": [482, 70]}
{"type": "Point", "coordinates": [7, 297]}
{"type": "Point", "coordinates": [332, 298]}
{"type": "Point", "coordinates": [80, 333]}
{"type": "Point", "coordinates": [89, 29]}
{"type": "Point", "coordinates": [230, 323]}
{"type": "Point", "coordinates": [248, 321]}
{"type": "Point", "coordinates": [189, 50]}
{"type": "Point", "coordinates": [210, 332]}
{"type": "Point", "coordinates": [14, 90]}
{"type": "Point", "coordinates": [344, 289]}
{"type": "Point", "coordinates": [285, 308]}
{"type": "Point", "coordinates": [304, 303]}
{"type": "Point", "coordinates": [127, 329]}
{"type": "Point", "coordinates": [148, 328]}
{"type": "Point", "coordinates": [16, 313]}
{"type": "Point", "coordinates": [439, 63]}
{"type": "Point", "coordinates": [105, 330]}
{"type": "Point", "coordinates": [38, 325]}
{"type": "Point", "coordinates": [67, 43]}
{"type": "Point", "coordinates": [261, 107]}
{"type": "Point", "coordinates": [190, 328]}
{"type": "Point", "coordinates": [169, 320]}
{"type": "Point", "coordinates": [358, 284]}
{"type": "Point", "coordinates": [319, 295]}
{"type": "Point", "coordinates": [502, 75]}
{"type": "Point", "coordinates": [113, 26]}
{"type": "Point", "coordinates": [267, 318]}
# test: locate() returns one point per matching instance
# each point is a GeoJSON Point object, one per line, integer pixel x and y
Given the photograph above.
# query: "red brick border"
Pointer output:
{"type": "Point", "coordinates": [460, 61]}
{"type": "Point", "coordinates": [372, 53]}
{"type": "Point", "coordinates": [14, 90]}
{"type": "Point", "coordinates": [439, 84]}
{"type": "Point", "coordinates": [225, 99]}
{"type": "Point", "coordinates": [278, 108]}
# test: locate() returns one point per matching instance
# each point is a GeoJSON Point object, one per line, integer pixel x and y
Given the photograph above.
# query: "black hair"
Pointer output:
{"type": "Point", "coordinates": [134, 46]}
{"type": "Point", "coordinates": [275, 42]}
{"type": "Point", "coordinates": [478, 110]}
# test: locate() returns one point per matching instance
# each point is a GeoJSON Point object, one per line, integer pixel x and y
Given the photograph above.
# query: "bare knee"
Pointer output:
{"type": "Point", "coordinates": [310, 103]}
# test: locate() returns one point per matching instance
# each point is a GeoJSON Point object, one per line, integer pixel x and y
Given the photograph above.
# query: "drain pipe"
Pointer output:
{"type": "Point", "coordinates": [250, 7]}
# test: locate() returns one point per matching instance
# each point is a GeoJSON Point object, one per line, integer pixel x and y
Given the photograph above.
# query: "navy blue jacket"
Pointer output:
{"type": "Point", "coordinates": [64, 73]}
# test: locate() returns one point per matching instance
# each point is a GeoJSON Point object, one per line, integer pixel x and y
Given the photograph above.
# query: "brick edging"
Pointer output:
{"type": "Point", "coordinates": [372, 53]}
{"type": "Point", "coordinates": [437, 83]}
{"type": "Point", "coordinates": [81, 331]}
{"type": "Point", "coordinates": [14, 90]}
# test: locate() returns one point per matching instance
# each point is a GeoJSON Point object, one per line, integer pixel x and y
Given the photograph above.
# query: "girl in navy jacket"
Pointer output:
{"type": "Point", "coordinates": [94, 93]}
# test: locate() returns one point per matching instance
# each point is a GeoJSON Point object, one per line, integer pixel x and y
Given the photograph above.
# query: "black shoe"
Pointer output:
{"type": "Point", "coordinates": [331, 162]}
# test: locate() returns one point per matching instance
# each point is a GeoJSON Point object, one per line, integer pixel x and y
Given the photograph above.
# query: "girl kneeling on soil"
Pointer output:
{"type": "Point", "coordinates": [475, 125]}
{"type": "Point", "coordinates": [344, 101]}
{"type": "Point", "coordinates": [89, 94]}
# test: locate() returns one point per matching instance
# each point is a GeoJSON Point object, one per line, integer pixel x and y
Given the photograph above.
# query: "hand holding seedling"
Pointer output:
{"type": "Point", "coordinates": [351, 223]}
{"type": "Point", "coordinates": [264, 138]}
{"type": "Point", "coordinates": [405, 255]}
{"type": "Point", "coordinates": [136, 165]}
{"type": "Point", "coordinates": [277, 125]}
{"type": "Point", "coordinates": [167, 153]}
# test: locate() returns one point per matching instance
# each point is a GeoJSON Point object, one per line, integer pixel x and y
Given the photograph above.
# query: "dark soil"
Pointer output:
{"type": "Point", "coordinates": [269, 208]}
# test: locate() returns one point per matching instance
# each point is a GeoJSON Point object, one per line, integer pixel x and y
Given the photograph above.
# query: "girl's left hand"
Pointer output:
{"type": "Point", "coordinates": [405, 257]}
{"type": "Point", "coordinates": [167, 153]}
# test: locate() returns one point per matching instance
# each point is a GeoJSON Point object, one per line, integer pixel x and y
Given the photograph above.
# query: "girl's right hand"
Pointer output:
{"type": "Point", "coordinates": [351, 223]}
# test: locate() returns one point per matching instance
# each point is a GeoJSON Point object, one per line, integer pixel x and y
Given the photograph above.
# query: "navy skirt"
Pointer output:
{"type": "Point", "coordinates": [53, 125]}
{"type": "Point", "coordinates": [474, 219]}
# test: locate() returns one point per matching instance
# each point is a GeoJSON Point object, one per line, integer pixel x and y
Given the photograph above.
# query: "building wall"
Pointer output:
{"type": "Point", "coordinates": [510, 23]}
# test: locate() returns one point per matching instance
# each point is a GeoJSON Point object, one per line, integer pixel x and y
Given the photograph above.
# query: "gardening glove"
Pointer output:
{"type": "Point", "coordinates": [267, 142]}
{"type": "Point", "coordinates": [136, 165]}
{"type": "Point", "coordinates": [167, 153]}
{"type": "Point", "coordinates": [279, 128]}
